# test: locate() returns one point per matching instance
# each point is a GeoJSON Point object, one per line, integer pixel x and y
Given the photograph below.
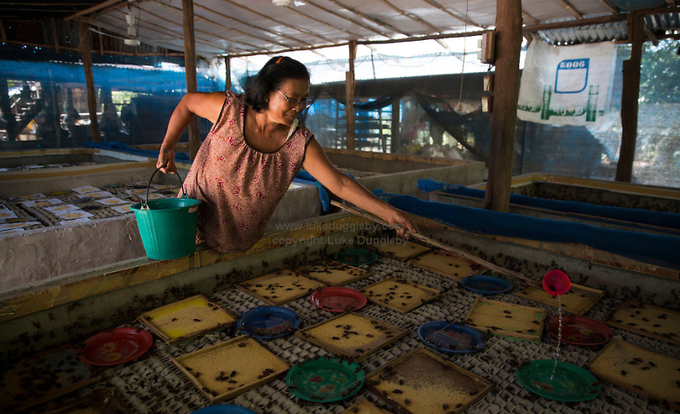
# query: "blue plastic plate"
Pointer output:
{"type": "Point", "coordinates": [223, 409]}
{"type": "Point", "coordinates": [450, 338]}
{"type": "Point", "coordinates": [268, 322]}
{"type": "Point", "coordinates": [486, 285]}
{"type": "Point", "coordinates": [356, 257]}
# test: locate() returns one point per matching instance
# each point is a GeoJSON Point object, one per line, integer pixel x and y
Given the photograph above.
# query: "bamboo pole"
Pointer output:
{"type": "Point", "coordinates": [3, 34]}
{"type": "Point", "coordinates": [93, 9]}
{"type": "Point", "coordinates": [427, 240]}
{"type": "Point", "coordinates": [506, 93]}
{"type": "Point", "coordinates": [349, 95]}
{"type": "Point", "coordinates": [55, 36]}
{"type": "Point", "coordinates": [395, 134]}
{"type": "Point", "coordinates": [629, 98]}
{"type": "Point", "coordinates": [89, 79]}
{"type": "Point", "coordinates": [190, 67]}
{"type": "Point", "coordinates": [227, 72]}
{"type": "Point", "coordinates": [380, 130]}
{"type": "Point", "coordinates": [6, 109]}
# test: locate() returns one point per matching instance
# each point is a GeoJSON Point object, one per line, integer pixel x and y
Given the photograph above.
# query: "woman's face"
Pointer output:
{"type": "Point", "coordinates": [282, 110]}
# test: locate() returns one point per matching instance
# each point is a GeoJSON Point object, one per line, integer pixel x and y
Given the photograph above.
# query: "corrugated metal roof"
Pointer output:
{"type": "Point", "coordinates": [661, 25]}
{"type": "Point", "coordinates": [243, 27]}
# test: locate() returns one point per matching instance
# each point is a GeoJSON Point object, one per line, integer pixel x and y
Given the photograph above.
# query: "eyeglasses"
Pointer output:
{"type": "Point", "coordinates": [304, 103]}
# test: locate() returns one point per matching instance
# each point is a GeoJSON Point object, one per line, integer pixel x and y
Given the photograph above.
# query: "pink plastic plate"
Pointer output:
{"type": "Point", "coordinates": [338, 299]}
{"type": "Point", "coordinates": [116, 347]}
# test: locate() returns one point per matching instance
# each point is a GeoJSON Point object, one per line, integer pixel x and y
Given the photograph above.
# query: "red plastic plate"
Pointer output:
{"type": "Point", "coordinates": [579, 330]}
{"type": "Point", "coordinates": [338, 299]}
{"type": "Point", "coordinates": [116, 347]}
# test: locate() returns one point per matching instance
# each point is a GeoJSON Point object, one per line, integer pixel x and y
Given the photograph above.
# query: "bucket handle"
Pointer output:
{"type": "Point", "coordinates": [145, 205]}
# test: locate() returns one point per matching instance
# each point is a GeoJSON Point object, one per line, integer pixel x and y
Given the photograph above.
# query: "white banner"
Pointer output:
{"type": "Point", "coordinates": [565, 85]}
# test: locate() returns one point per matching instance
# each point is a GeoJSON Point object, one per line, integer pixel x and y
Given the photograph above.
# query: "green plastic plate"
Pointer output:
{"type": "Point", "coordinates": [325, 380]}
{"type": "Point", "coordinates": [559, 381]}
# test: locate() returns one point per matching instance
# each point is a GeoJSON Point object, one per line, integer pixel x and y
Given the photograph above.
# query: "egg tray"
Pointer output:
{"type": "Point", "coordinates": [22, 215]}
{"type": "Point", "coordinates": [399, 294]}
{"type": "Point", "coordinates": [640, 370]}
{"type": "Point", "coordinates": [100, 401]}
{"type": "Point", "coordinates": [647, 320]}
{"type": "Point", "coordinates": [422, 382]}
{"type": "Point", "coordinates": [43, 377]}
{"type": "Point", "coordinates": [577, 300]}
{"type": "Point", "coordinates": [448, 265]}
{"type": "Point", "coordinates": [274, 289]}
{"type": "Point", "coordinates": [251, 365]}
{"type": "Point", "coordinates": [332, 273]}
{"type": "Point", "coordinates": [352, 335]}
{"type": "Point", "coordinates": [187, 318]}
{"type": "Point", "coordinates": [402, 251]}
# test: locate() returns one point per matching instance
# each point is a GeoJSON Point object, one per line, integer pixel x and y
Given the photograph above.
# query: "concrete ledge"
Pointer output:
{"type": "Point", "coordinates": [53, 251]}
{"type": "Point", "coordinates": [41, 294]}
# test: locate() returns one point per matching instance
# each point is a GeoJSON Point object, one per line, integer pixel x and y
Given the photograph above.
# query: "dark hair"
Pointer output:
{"type": "Point", "coordinates": [270, 78]}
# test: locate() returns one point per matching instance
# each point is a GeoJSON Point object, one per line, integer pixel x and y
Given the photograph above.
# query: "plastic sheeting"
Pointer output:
{"type": "Point", "coordinates": [648, 248]}
{"type": "Point", "coordinates": [634, 215]}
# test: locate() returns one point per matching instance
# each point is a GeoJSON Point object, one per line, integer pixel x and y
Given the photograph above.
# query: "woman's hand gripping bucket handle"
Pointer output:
{"type": "Point", "coordinates": [145, 204]}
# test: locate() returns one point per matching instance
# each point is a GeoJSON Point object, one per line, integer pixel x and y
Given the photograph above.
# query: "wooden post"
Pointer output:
{"type": "Point", "coordinates": [349, 95]}
{"type": "Point", "coordinates": [6, 111]}
{"type": "Point", "coordinates": [380, 130]}
{"type": "Point", "coordinates": [506, 93]}
{"type": "Point", "coordinates": [89, 79]}
{"type": "Point", "coordinates": [3, 34]}
{"type": "Point", "coordinates": [629, 98]}
{"type": "Point", "coordinates": [395, 136]}
{"type": "Point", "coordinates": [53, 114]}
{"type": "Point", "coordinates": [227, 72]}
{"type": "Point", "coordinates": [53, 23]}
{"type": "Point", "coordinates": [190, 71]}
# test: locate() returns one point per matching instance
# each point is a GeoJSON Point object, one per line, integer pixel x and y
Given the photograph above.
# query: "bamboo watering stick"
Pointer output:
{"type": "Point", "coordinates": [445, 247]}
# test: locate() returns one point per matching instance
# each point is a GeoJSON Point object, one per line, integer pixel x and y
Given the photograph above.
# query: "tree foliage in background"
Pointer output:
{"type": "Point", "coordinates": [660, 73]}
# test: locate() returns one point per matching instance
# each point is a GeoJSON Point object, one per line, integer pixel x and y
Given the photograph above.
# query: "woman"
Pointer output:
{"type": "Point", "coordinates": [253, 152]}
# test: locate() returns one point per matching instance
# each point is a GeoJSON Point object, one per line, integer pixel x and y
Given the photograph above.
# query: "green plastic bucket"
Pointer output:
{"type": "Point", "coordinates": [167, 226]}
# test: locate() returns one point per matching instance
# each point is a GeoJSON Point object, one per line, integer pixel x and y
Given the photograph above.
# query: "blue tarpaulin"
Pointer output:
{"type": "Point", "coordinates": [634, 215]}
{"type": "Point", "coordinates": [125, 77]}
{"type": "Point", "coordinates": [649, 248]}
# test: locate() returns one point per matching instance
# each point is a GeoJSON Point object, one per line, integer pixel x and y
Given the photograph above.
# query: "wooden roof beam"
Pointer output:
{"type": "Point", "coordinates": [250, 25]}
{"type": "Point", "coordinates": [94, 9]}
{"type": "Point", "coordinates": [295, 10]}
{"type": "Point", "coordinates": [180, 36]}
{"type": "Point", "coordinates": [367, 43]}
{"type": "Point", "coordinates": [282, 23]}
{"type": "Point", "coordinates": [369, 18]}
{"type": "Point", "coordinates": [570, 8]}
{"type": "Point", "coordinates": [661, 10]}
{"type": "Point", "coordinates": [455, 16]}
{"type": "Point", "coordinates": [164, 32]}
{"type": "Point", "coordinates": [609, 6]}
{"type": "Point", "coordinates": [411, 16]}
{"type": "Point", "coordinates": [529, 17]}
{"type": "Point", "coordinates": [650, 35]}
{"type": "Point", "coordinates": [221, 26]}
{"type": "Point", "coordinates": [370, 29]}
